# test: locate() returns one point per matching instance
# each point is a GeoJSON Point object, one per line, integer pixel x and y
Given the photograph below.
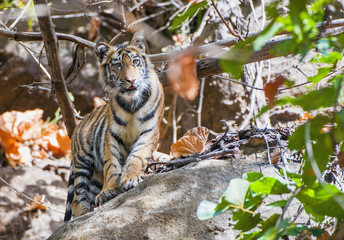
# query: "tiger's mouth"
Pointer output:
{"type": "Point", "coordinates": [131, 88]}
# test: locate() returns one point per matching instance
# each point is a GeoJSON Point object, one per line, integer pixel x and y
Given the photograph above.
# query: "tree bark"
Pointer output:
{"type": "Point", "coordinates": [52, 51]}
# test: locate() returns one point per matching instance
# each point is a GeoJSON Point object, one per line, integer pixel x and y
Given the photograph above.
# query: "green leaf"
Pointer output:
{"type": "Point", "coordinates": [188, 14]}
{"type": "Point", "coordinates": [270, 222]}
{"type": "Point", "coordinates": [294, 229]}
{"type": "Point", "coordinates": [266, 35]}
{"type": "Point", "coordinates": [270, 234]}
{"type": "Point", "coordinates": [206, 210]}
{"type": "Point", "coordinates": [246, 221]}
{"type": "Point", "coordinates": [236, 191]}
{"type": "Point", "coordinates": [252, 176]}
{"type": "Point", "coordinates": [323, 199]}
{"type": "Point", "coordinates": [269, 185]}
{"type": "Point", "coordinates": [322, 72]}
{"type": "Point", "coordinates": [297, 139]}
{"type": "Point", "coordinates": [280, 203]}
{"type": "Point", "coordinates": [252, 203]}
{"type": "Point", "coordinates": [233, 60]}
{"type": "Point", "coordinates": [293, 176]}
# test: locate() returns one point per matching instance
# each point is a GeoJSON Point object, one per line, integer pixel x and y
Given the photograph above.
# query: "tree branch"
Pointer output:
{"type": "Point", "coordinates": [52, 51]}
{"type": "Point", "coordinates": [206, 66]}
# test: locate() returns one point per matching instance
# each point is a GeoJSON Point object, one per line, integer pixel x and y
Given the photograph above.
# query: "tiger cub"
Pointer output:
{"type": "Point", "coordinates": [111, 145]}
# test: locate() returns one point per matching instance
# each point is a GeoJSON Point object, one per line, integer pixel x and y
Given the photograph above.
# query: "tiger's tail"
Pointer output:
{"type": "Point", "coordinates": [70, 194]}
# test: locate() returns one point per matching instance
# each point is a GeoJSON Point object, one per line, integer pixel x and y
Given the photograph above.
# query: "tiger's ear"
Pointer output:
{"type": "Point", "coordinates": [138, 41]}
{"type": "Point", "coordinates": [101, 49]}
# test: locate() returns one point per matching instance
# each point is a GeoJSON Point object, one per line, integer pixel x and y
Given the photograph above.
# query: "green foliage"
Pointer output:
{"type": "Point", "coordinates": [314, 138]}
{"type": "Point", "coordinates": [186, 16]}
{"type": "Point", "coordinates": [244, 196]}
{"type": "Point", "coordinates": [4, 5]}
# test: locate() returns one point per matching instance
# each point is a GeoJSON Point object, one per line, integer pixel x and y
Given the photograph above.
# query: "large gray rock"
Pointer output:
{"type": "Point", "coordinates": [163, 206]}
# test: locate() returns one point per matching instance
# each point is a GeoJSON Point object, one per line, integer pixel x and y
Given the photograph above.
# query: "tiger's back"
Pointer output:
{"type": "Point", "coordinates": [111, 146]}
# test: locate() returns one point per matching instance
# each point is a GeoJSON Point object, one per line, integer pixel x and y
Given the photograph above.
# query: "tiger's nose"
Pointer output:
{"type": "Point", "coordinates": [131, 80]}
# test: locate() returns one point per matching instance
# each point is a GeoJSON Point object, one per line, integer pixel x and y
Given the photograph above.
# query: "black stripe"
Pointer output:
{"type": "Point", "coordinates": [151, 114]}
{"type": "Point", "coordinates": [82, 174]}
{"type": "Point", "coordinates": [117, 138]}
{"type": "Point", "coordinates": [116, 118]}
{"type": "Point", "coordinates": [94, 182]}
{"type": "Point", "coordinates": [68, 216]}
{"type": "Point", "coordinates": [106, 171]}
{"type": "Point", "coordinates": [139, 144]}
{"type": "Point", "coordinates": [146, 131]}
{"type": "Point", "coordinates": [135, 105]}
{"type": "Point", "coordinates": [81, 185]}
{"type": "Point", "coordinates": [111, 176]}
{"type": "Point", "coordinates": [98, 139]}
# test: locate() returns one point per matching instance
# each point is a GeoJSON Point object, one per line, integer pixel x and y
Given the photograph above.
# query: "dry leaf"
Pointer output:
{"type": "Point", "coordinates": [341, 159]}
{"type": "Point", "coordinates": [56, 140]}
{"type": "Point", "coordinates": [94, 28]}
{"type": "Point", "coordinates": [193, 141]}
{"type": "Point", "coordinates": [97, 101]}
{"type": "Point", "coordinates": [271, 89]}
{"type": "Point", "coordinates": [33, 205]}
{"type": "Point", "coordinates": [275, 156]}
{"type": "Point", "coordinates": [15, 128]}
{"type": "Point", "coordinates": [257, 140]}
{"type": "Point", "coordinates": [324, 236]}
{"type": "Point", "coordinates": [182, 76]}
{"type": "Point", "coordinates": [22, 125]}
{"type": "Point", "coordinates": [306, 117]}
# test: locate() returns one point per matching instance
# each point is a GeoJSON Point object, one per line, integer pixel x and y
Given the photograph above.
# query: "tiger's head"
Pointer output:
{"type": "Point", "coordinates": [124, 68]}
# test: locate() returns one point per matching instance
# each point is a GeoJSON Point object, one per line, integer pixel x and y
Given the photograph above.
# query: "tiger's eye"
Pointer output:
{"type": "Point", "coordinates": [117, 65]}
{"type": "Point", "coordinates": [136, 62]}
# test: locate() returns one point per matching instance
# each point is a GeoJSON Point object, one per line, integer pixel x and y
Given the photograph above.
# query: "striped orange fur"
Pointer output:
{"type": "Point", "coordinates": [111, 145]}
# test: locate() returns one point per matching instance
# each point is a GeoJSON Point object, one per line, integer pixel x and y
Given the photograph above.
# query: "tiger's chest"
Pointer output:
{"type": "Point", "coordinates": [128, 125]}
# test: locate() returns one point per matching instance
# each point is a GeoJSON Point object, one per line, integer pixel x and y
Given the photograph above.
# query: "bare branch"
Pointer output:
{"type": "Point", "coordinates": [228, 25]}
{"type": "Point", "coordinates": [57, 79]}
{"type": "Point", "coordinates": [26, 196]}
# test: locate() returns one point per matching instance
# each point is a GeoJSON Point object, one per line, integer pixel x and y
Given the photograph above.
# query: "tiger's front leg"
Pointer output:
{"type": "Point", "coordinates": [137, 160]}
{"type": "Point", "coordinates": [112, 170]}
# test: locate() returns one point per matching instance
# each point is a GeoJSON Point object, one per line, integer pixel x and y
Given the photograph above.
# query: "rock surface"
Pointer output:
{"type": "Point", "coordinates": [164, 205]}
{"type": "Point", "coordinates": [16, 220]}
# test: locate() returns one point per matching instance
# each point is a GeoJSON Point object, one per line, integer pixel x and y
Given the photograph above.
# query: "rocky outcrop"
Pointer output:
{"type": "Point", "coordinates": [164, 205]}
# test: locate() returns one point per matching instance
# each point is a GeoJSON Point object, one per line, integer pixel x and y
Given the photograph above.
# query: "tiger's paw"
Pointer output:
{"type": "Point", "coordinates": [106, 195]}
{"type": "Point", "coordinates": [130, 182]}
{"type": "Point", "coordinates": [81, 208]}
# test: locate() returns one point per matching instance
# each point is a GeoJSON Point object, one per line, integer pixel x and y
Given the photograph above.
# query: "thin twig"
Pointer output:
{"type": "Point", "coordinates": [174, 121]}
{"type": "Point", "coordinates": [267, 148]}
{"type": "Point", "coordinates": [26, 196]}
{"type": "Point", "coordinates": [200, 103]}
{"type": "Point", "coordinates": [287, 205]}
{"type": "Point", "coordinates": [21, 15]}
{"type": "Point", "coordinates": [230, 28]}
{"type": "Point", "coordinates": [147, 17]}
{"type": "Point", "coordinates": [34, 87]}
{"type": "Point", "coordinates": [179, 162]}
{"type": "Point", "coordinates": [236, 81]}
{"type": "Point", "coordinates": [297, 67]}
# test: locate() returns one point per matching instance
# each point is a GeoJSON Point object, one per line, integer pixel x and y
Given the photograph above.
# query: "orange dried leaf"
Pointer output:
{"type": "Point", "coordinates": [182, 76]}
{"type": "Point", "coordinates": [341, 159]}
{"type": "Point", "coordinates": [94, 28]}
{"type": "Point", "coordinates": [193, 141]}
{"type": "Point", "coordinates": [64, 141]}
{"type": "Point", "coordinates": [271, 89]}
{"type": "Point", "coordinates": [33, 205]}
{"type": "Point", "coordinates": [55, 140]}
{"type": "Point", "coordinates": [306, 117]}
{"type": "Point", "coordinates": [97, 101]}
{"type": "Point", "coordinates": [22, 125]}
